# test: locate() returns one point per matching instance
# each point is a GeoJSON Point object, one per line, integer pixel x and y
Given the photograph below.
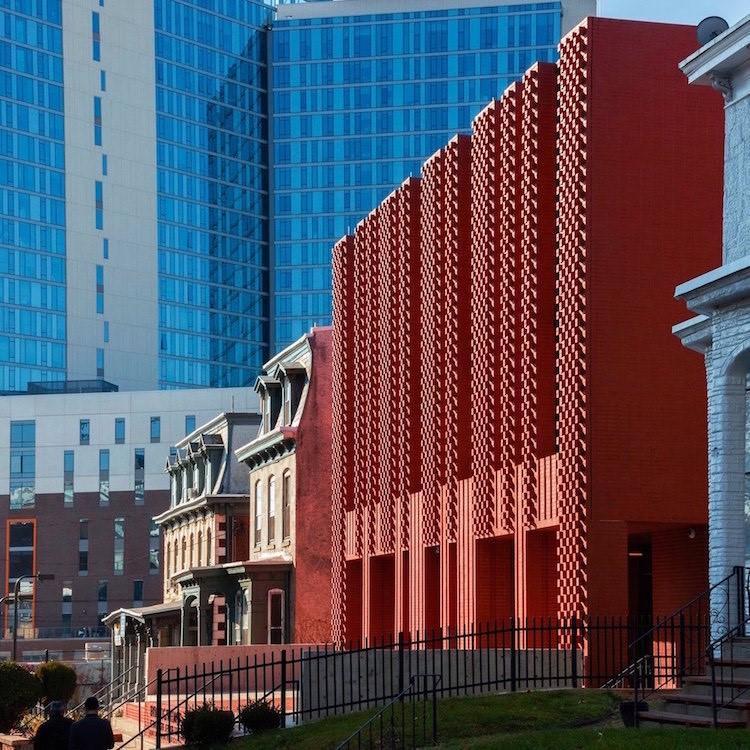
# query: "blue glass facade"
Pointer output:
{"type": "Point", "coordinates": [358, 103]}
{"type": "Point", "coordinates": [32, 194]}
{"type": "Point", "coordinates": [212, 167]}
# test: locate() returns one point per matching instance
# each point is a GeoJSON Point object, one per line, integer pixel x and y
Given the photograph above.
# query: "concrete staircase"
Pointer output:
{"type": "Point", "coordinates": [693, 705]}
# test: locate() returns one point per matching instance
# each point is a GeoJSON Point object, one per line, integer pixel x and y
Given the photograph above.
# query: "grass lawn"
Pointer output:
{"type": "Point", "coordinates": [609, 739]}
{"type": "Point", "coordinates": [460, 719]}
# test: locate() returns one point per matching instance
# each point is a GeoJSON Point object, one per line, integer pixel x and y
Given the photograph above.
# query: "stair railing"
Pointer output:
{"type": "Point", "coordinates": [380, 731]}
{"type": "Point", "coordinates": [108, 690]}
{"type": "Point", "coordinates": [678, 646]}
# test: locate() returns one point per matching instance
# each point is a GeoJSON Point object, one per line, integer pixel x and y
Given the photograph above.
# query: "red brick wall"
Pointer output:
{"type": "Point", "coordinates": [504, 348]}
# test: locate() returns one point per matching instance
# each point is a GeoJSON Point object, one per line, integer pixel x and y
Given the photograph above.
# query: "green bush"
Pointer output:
{"type": "Point", "coordinates": [58, 681]}
{"type": "Point", "coordinates": [207, 725]}
{"type": "Point", "coordinates": [259, 717]}
{"type": "Point", "coordinates": [19, 691]}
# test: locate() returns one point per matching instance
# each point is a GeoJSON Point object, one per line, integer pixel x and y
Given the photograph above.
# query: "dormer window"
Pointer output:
{"type": "Point", "coordinates": [287, 401]}
{"type": "Point", "coordinates": [267, 412]}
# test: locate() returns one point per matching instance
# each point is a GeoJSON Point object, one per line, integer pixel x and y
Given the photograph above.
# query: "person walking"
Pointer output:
{"type": "Point", "coordinates": [54, 734]}
{"type": "Point", "coordinates": [91, 732]}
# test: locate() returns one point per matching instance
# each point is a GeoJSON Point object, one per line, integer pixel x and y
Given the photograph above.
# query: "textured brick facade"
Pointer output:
{"type": "Point", "coordinates": [511, 412]}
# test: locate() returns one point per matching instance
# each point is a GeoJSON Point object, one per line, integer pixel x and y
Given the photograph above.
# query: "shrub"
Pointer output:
{"type": "Point", "coordinates": [19, 691]}
{"type": "Point", "coordinates": [207, 725]}
{"type": "Point", "coordinates": [260, 717]}
{"type": "Point", "coordinates": [58, 681]}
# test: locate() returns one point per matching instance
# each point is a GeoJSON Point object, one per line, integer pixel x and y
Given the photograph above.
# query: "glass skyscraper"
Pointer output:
{"type": "Point", "coordinates": [174, 172]}
{"type": "Point", "coordinates": [359, 101]}
{"type": "Point", "coordinates": [212, 171]}
{"type": "Point", "coordinates": [32, 194]}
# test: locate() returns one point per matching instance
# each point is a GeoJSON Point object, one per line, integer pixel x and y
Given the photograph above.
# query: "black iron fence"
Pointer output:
{"type": "Point", "coordinates": [311, 683]}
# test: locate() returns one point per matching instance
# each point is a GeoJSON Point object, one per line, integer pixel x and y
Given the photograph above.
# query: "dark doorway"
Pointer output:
{"type": "Point", "coordinates": [640, 597]}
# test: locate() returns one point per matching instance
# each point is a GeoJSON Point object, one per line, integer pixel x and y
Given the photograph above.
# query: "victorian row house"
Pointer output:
{"type": "Point", "coordinates": [246, 537]}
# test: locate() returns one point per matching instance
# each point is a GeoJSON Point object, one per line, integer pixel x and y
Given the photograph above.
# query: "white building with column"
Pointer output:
{"type": "Point", "coordinates": [721, 300]}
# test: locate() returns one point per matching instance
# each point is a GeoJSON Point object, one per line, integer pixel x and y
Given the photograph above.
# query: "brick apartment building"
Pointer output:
{"type": "Point", "coordinates": [516, 430]}
{"type": "Point", "coordinates": [84, 478]}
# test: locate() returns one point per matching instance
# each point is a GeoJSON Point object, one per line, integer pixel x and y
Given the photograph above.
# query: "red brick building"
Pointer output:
{"type": "Point", "coordinates": [516, 431]}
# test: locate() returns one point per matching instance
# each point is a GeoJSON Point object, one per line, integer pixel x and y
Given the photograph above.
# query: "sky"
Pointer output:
{"type": "Point", "coordinates": [675, 11]}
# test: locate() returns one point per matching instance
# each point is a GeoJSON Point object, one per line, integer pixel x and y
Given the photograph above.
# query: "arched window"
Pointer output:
{"type": "Point", "coordinates": [258, 512]}
{"type": "Point", "coordinates": [209, 561]}
{"type": "Point", "coordinates": [192, 544]}
{"type": "Point", "coordinates": [184, 550]}
{"type": "Point", "coordinates": [200, 549]}
{"type": "Point", "coordinates": [286, 505]}
{"type": "Point", "coordinates": [271, 509]}
{"type": "Point", "coordinates": [168, 556]}
{"type": "Point", "coordinates": [276, 616]}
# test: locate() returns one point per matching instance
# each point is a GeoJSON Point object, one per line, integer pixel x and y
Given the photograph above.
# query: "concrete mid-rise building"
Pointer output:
{"type": "Point", "coordinates": [83, 477]}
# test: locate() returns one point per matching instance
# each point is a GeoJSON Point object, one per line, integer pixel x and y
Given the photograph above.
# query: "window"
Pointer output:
{"type": "Point", "coordinates": [84, 432]}
{"type": "Point", "coordinates": [275, 616]}
{"type": "Point", "coordinates": [167, 561]}
{"type": "Point", "coordinates": [137, 593]}
{"type": "Point", "coordinates": [83, 547]}
{"type": "Point", "coordinates": [119, 548]}
{"type": "Point", "coordinates": [97, 121]}
{"type": "Point", "coordinates": [139, 463]}
{"type": "Point", "coordinates": [96, 40]}
{"type": "Point", "coordinates": [155, 429]}
{"type": "Point", "coordinates": [286, 501]}
{"type": "Point", "coordinates": [209, 560]}
{"type": "Point", "coordinates": [20, 552]}
{"type": "Point", "coordinates": [104, 477]}
{"type": "Point", "coordinates": [287, 401]}
{"type": "Point", "coordinates": [102, 603]}
{"type": "Point", "coordinates": [106, 331]}
{"type": "Point", "coordinates": [258, 511]}
{"type": "Point", "coordinates": [190, 550]}
{"type": "Point", "coordinates": [100, 290]}
{"type": "Point", "coordinates": [67, 606]}
{"type": "Point", "coordinates": [103, 80]}
{"type": "Point", "coordinates": [105, 248]}
{"type": "Point", "coordinates": [68, 474]}
{"type": "Point", "coordinates": [22, 464]}
{"type": "Point", "coordinates": [105, 165]}
{"type": "Point", "coordinates": [189, 424]}
{"type": "Point", "coordinates": [182, 553]}
{"type": "Point", "coordinates": [99, 362]}
{"type": "Point", "coordinates": [119, 430]}
{"type": "Point", "coordinates": [99, 204]}
{"type": "Point", "coordinates": [271, 509]}
{"type": "Point", "coordinates": [200, 549]}
{"type": "Point", "coordinates": [153, 549]}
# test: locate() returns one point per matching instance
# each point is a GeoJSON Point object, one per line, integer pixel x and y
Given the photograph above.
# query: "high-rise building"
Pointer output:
{"type": "Point", "coordinates": [138, 242]}
{"type": "Point", "coordinates": [363, 92]}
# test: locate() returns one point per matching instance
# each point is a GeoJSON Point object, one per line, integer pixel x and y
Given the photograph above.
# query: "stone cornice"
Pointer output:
{"type": "Point", "coordinates": [192, 508]}
{"type": "Point", "coordinates": [267, 446]}
{"type": "Point", "coordinates": [723, 63]}
{"type": "Point", "coordinates": [718, 288]}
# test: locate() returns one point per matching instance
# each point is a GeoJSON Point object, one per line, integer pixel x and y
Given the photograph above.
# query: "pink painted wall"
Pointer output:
{"type": "Point", "coordinates": [191, 660]}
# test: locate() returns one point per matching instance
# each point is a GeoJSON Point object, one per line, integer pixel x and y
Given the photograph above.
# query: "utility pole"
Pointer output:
{"type": "Point", "coordinates": [16, 593]}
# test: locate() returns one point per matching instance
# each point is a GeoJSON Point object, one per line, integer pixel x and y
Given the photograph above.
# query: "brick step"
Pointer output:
{"type": "Point", "coordinates": [662, 718]}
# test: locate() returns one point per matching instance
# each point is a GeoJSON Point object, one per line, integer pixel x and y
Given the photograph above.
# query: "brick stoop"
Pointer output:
{"type": "Point", "coordinates": [693, 705]}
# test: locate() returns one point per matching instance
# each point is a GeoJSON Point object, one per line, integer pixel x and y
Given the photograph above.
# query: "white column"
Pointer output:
{"type": "Point", "coordinates": [726, 488]}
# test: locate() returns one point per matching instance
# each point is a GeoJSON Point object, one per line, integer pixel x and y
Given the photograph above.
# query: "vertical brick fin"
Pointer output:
{"type": "Point", "coordinates": [388, 395]}
{"type": "Point", "coordinates": [432, 369]}
{"type": "Point", "coordinates": [343, 407]}
{"type": "Point", "coordinates": [508, 281]}
{"type": "Point", "coordinates": [571, 297]}
{"type": "Point", "coordinates": [409, 343]}
{"type": "Point", "coordinates": [484, 312]}
{"type": "Point", "coordinates": [361, 332]}
{"type": "Point", "coordinates": [537, 279]}
{"type": "Point", "coordinates": [457, 322]}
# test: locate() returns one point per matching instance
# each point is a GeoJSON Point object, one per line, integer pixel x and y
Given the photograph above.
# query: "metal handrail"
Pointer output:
{"type": "Point", "coordinates": [101, 691]}
{"type": "Point", "coordinates": [170, 710]}
{"type": "Point", "coordinates": [629, 671]}
{"type": "Point", "coordinates": [128, 697]}
{"type": "Point", "coordinates": [398, 698]}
